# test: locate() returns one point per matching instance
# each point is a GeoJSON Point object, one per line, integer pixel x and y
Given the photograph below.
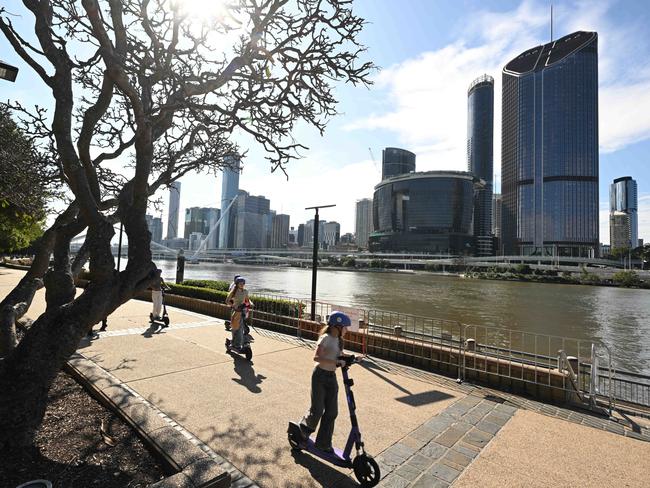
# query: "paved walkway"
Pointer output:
{"type": "Point", "coordinates": [425, 430]}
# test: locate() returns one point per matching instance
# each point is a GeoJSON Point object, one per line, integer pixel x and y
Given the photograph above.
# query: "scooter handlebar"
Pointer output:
{"type": "Point", "coordinates": [349, 359]}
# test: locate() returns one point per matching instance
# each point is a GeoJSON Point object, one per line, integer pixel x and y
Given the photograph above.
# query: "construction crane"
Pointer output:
{"type": "Point", "coordinates": [372, 156]}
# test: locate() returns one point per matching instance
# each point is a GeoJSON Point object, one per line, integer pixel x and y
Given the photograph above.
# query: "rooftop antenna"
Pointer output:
{"type": "Point", "coordinates": [551, 22]}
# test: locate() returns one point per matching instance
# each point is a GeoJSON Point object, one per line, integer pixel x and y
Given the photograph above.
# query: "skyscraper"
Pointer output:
{"type": "Point", "coordinates": [550, 149]}
{"type": "Point", "coordinates": [155, 227]}
{"type": "Point", "coordinates": [280, 231]}
{"type": "Point", "coordinates": [174, 207]}
{"type": "Point", "coordinates": [396, 162]}
{"type": "Point", "coordinates": [331, 234]}
{"type": "Point", "coordinates": [229, 189]}
{"type": "Point", "coordinates": [480, 142]}
{"type": "Point", "coordinates": [623, 218]}
{"type": "Point", "coordinates": [496, 218]}
{"type": "Point", "coordinates": [201, 220]}
{"type": "Point", "coordinates": [363, 226]}
{"type": "Point", "coordinates": [252, 219]}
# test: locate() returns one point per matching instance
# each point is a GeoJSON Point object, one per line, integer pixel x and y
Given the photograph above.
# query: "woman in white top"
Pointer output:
{"type": "Point", "coordinates": [238, 299]}
{"type": "Point", "coordinates": [324, 386]}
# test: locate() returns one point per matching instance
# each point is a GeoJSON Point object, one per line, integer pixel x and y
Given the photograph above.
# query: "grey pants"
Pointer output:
{"type": "Point", "coordinates": [324, 406]}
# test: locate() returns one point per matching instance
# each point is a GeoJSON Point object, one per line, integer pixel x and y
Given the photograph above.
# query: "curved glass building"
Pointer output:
{"type": "Point", "coordinates": [480, 143]}
{"type": "Point", "coordinates": [424, 212]}
{"type": "Point", "coordinates": [395, 161]}
{"type": "Point", "coordinates": [549, 149]}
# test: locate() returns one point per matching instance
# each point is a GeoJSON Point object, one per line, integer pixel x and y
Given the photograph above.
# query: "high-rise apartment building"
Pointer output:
{"type": "Point", "coordinates": [308, 237]}
{"type": "Point", "coordinates": [623, 218]}
{"type": "Point", "coordinates": [480, 142]}
{"type": "Point", "coordinates": [496, 219]}
{"type": "Point", "coordinates": [202, 220]}
{"type": "Point", "coordinates": [280, 231]}
{"type": "Point", "coordinates": [174, 208]}
{"type": "Point", "coordinates": [550, 149]}
{"type": "Point", "coordinates": [229, 189]}
{"type": "Point", "coordinates": [363, 226]}
{"type": "Point", "coordinates": [301, 235]}
{"type": "Point", "coordinates": [331, 234]}
{"type": "Point", "coordinates": [252, 221]}
{"type": "Point", "coordinates": [395, 161]}
{"type": "Point", "coordinates": [155, 227]}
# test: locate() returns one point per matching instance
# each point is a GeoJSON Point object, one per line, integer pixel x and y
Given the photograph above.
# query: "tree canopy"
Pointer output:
{"type": "Point", "coordinates": [142, 93]}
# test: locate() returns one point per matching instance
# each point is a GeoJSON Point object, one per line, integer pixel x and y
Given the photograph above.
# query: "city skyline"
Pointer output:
{"type": "Point", "coordinates": [419, 102]}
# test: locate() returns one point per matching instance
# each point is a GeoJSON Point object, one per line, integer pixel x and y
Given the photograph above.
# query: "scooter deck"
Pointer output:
{"type": "Point", "coordinates": [309, 445]}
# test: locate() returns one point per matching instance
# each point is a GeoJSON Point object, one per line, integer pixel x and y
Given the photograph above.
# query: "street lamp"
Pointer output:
{"type": "Point", "coordinates": [8, 72]}
{"type": "Point", "coordinates": [314, 267]}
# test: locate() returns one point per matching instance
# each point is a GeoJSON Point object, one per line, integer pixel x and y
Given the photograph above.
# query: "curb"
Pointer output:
{"type": "Point", "coordinates": [194, 467]}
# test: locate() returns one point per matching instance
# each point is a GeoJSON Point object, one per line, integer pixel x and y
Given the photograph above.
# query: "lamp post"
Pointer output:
{"type": "Point", "coordinates": [314, 268]}
{"type": "Point", "coordinates": [8, 72]}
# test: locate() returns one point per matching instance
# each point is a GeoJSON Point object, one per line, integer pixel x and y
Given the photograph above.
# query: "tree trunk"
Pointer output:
{"type": "Point", "coordinates": [27, 373]}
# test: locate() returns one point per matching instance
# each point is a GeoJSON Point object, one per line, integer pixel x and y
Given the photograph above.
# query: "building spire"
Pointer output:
{"type": "Point", "coordinates": [551, 22]}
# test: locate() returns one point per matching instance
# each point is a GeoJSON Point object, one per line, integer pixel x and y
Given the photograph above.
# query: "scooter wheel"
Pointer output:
{"type": "Point", "coordinates": [294, 443]}
{"type": "Point", "coordinates": [366, 470]}
{"type": "Point", "coordinates": [248, 353]}
{"type": "Point", "coordinates": [166, 321]}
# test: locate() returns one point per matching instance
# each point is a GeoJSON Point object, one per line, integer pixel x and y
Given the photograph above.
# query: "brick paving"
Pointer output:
{"type": "Point", "coordinates": [438, 451]}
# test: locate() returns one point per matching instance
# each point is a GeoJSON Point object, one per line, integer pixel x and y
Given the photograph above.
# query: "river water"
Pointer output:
{"type": "Point", "coordinates": [617, 317]}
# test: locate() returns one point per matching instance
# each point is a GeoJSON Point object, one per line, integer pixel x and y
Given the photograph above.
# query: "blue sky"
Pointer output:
{"type": "Point", "coordinates": [429, 52]}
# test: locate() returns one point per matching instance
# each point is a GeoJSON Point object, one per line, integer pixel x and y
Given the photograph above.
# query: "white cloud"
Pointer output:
{"type": "Point", "coordinates": [429, 92]}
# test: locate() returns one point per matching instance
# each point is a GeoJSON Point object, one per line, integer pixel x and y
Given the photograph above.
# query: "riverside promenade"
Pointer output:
{"type": "Point", "coordinates": [424, 429]}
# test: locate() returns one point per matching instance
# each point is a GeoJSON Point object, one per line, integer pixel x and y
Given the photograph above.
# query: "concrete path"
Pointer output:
{"type": "Point", "coordinates": [423, 429]}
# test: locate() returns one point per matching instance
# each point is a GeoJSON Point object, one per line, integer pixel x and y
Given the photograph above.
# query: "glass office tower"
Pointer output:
{"type": "Point", "coordinates": [480, 142]}
{"type": "Point", "coordinates": [229, 189]}
{"type": "Point", "coordinates": [396, 161]}
{"type": "Point", "coordinates": [424, 212]}
{"type": "Point", "coordinates": [550, 149]}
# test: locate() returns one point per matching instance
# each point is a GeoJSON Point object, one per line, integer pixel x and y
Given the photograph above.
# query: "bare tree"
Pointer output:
{"type": "Point", "coordinates": [139, 86]}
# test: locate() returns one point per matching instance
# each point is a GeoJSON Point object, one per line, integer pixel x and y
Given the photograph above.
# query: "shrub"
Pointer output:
{"type": "Point", "coordinates": [588, 278]}
{"type": "Point", "coordinates": [626, 278]}
{"type": "Point", "coordinates": [523, 269]}
{"type": "Point", "coordinates": [212, 284]}
{"type": "Point", "coordinates": [349, 262]}
{"type": "Point", "coordinates": [379, 263]}
{"type": "Point", "coordinates": [265, 304]}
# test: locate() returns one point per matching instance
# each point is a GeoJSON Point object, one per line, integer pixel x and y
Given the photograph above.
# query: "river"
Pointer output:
{"type": "Point", "coordinates": [617, 317]}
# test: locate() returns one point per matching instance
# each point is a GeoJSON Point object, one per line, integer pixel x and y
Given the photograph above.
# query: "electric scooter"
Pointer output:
{"type": "Point", "coordinates": [161, 321]}
{"type": "Point", "coordinates": [366, 469]}
{"type": "Point", "coordinates": [245, 350]}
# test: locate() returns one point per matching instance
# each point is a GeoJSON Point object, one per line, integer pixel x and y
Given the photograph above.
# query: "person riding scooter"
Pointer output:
{"type": "Point", "coordinates": [157, 289]}
{"type": "Point", "coordinates": [238, 300]}
{"type": "Point", "coordinates": [324, 385]}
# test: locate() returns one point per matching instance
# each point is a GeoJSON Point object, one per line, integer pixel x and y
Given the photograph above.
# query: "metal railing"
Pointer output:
{"type": "Point", "coordinates": [459, 349]}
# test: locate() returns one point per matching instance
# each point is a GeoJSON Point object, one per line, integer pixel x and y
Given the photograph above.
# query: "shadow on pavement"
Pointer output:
{"type": "Point", "coordinates": [321, 472]}
{"type": "Point", "coordinates": [153, 329]}
{"type": "Point", "coordinates": [372, 367]}
{"type": "Point", "coordinates": [247, 376]}
{"type": "Point", "coordinates": [424, 398]}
